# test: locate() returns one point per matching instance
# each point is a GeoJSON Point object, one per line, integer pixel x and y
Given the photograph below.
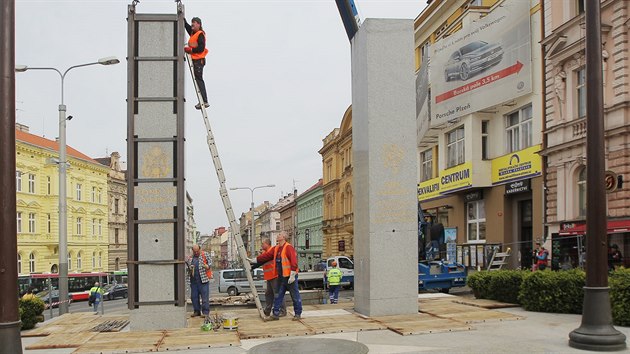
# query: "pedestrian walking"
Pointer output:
{"type": "Point", "coordinates": [197, 49]}
{"type": "Point", "coordinates": [333, 276]}
{"type": "Point", "coordinates": [271, 277]}
{"type": "Point", "coordinates": [95, 296]}
{"type": "Point", "coordinates": [284, 260]}
{"type": "Point", "coordinates": [200, 272]}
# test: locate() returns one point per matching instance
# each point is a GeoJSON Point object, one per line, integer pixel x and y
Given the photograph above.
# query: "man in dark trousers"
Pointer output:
{"type": "Point", "coordinates": [285, 263]}
{"type": "Point", "coordinates": [271, 277]}
{"type": "Point", "coordinates": [200, 271]}
{"type": "Point", "coordinates": [197, 49]}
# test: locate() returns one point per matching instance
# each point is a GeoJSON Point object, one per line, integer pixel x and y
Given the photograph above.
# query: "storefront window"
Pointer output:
{"type": "Point", "coordinates": [581, 190]}
{"type": "Point", "coordinates": [476, 221]}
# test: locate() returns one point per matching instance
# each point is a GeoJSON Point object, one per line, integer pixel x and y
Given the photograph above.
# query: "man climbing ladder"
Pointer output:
{"type": "Point", "coordinates": [198, 51]}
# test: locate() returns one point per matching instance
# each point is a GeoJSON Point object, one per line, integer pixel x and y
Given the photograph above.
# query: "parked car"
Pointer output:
{"type": "Point", "coordinates": [234, 281]}
{"type": "Point", "coordinates": [471, 59]}
{"type": "Point", "coordinates": [113, 291]}
{"type": "Point", "coordinates": [44, 296]}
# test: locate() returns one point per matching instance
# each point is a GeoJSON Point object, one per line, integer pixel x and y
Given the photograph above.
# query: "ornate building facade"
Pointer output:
{"type": "Point", "coordinates": [338, 211]}
{"type": "Point", "coordinates": [565, 126]}
{"type": "Point", "coordinates": [37, 195]}
{"type": "Point", "coordinates": [117, 201]}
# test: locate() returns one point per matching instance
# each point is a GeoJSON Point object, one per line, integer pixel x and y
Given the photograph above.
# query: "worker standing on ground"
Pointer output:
{"type": "Point", "coordinates": [333, 276]}
{"type": "Point", "coordinates": [200, 274]}
{"type": "Point", "coordinates": [285, 262]}
{"type": "Point", "coordinates": [197, 49]}
{"type": "Point", "coordinates": [271, 276]}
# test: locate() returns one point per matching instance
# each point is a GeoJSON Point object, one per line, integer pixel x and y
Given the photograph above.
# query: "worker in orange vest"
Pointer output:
{"type": "Point", "coordinates": [271, 277]}
{"type": "Point", "coordinates": [284, 260]}
{"type": "Point", "coordinates": [197, 49]}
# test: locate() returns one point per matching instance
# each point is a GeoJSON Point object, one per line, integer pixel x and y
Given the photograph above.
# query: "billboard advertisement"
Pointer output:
{"type": "Point", "coordinates": [517, 165]}
{"type": "Point", "coordinates": [422, 99]}
{"type": "Point", "coordinates": [483, 65]}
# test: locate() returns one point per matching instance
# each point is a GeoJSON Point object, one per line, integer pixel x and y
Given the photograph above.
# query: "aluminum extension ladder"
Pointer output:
{"type": "Point", "coordinates": [498, 260]}
{"type": "Point", "coordinates": [224, 193]}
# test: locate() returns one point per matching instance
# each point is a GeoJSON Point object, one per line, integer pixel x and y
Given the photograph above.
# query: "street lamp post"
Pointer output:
{"type": "Point", "coordinates": [251, 232]}
{"type": "Point", "coordinates": [63, 221]}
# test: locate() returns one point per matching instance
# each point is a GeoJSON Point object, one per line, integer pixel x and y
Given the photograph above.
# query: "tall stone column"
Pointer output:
{"type": "Point", "coordinates": [385, 168]}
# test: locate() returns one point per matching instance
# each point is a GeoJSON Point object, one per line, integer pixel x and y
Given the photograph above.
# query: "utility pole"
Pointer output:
{"type": "Point", "coordinates": [596, 331]}
{"type": "Point", "coordinates": [10, 340]}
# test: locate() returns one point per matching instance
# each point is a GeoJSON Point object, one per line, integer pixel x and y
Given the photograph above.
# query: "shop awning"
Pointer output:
{"type": "Point", "coordinates": [614, 226]}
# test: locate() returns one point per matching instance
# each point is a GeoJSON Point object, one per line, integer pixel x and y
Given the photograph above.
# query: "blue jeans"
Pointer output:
{"type": "Point", "coordinates": [95, 305]}
{"type": "Point", "coordinates": [283, 286]}
{"type": "Point", "coordinates": [333, 293]}
{"type": "Point", "coordinates": [200, 289]}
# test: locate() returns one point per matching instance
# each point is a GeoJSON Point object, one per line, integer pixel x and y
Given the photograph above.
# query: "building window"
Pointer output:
{"type": "Point", "coordinates": [519, 129]}
{"type": "Point", "coordinates": [116, 201]}
{"type": "Point", "coordinates": [31, 183]}
{"type": "Point", "coordinates": [93, 259]}
{"type": "Point", "coordinates": [476, 220]}
{"type": "Point", "coordinates": [48, 184]}
{"type": "Point", "coordinates": [78, 191]}
{"type": "Point", "coordinates": [31, 263]}
{"type": "Point", "coordinates": [341, 245]}
{"type": "Point", "coordinates": [100, 227]}
{"type": "Point", "coordinates": [100, 259]}
{"type": "Point", "coordinates": [484, 139]}
{"type": "Point", "coordinates": [79, 262]}
{"type": "Point", "coordinates": [581, 92]}
{"type": "Point", "coordinates": [277, 225]}
{"type": "Point", "coordinates": [93, 194]}
{"type": "Point", "coordinates": [116, 241]}
{"type": "Point", "coordinates": [581, 190]}
{"type": "Point", "coordinates": [69, 260]}
{"type": "Point", "coordinates": [18, 181]}
{"type": "Point", "coordinates": [117, 264]}
{"type": "Point", "coordinates": [580, 6]}
{"type": "Point", "coordinates": [19, 265]}
{"type": "Point", "coordinates": [99, 196]}
{"type": "Point", "coordinates": [79, 228]}
{"type": "Point", "coordinates": [19, 221]}
{"type": "Point", "coordinates": [426, 165]}
{"type": "Point", "coordinates": [31, 223]}
{"type": "Point", "coordinates": [455, 147]}
{"type": "Point", "coordinates": [48, 222]}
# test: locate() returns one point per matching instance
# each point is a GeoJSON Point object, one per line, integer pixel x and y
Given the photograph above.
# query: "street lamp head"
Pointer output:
{"type": "Point", "coordinates": [270, 185]}
{"type": "Point", "coordinates": [108, 61]}
{"type": "Point", "coordinates": [20, 68]}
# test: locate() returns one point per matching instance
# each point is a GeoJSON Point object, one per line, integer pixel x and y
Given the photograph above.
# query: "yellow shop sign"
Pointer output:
{"type": "Point", "coordinates": [517, 165]}
{"type": "Point", "coordinates": [455, 178]}
{"type": "Point", "coordinates": [429, 189]}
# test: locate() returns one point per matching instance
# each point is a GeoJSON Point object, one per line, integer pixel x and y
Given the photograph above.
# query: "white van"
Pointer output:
{"type": "Point", "coordinates": [234, 281]}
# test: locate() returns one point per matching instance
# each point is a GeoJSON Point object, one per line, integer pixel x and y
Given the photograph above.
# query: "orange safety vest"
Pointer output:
{"type": "Point", "coordinates": [269, 268]}
{"type": "Point", "coordinates": [192, 42]}
{"type": "Point", "coordinates": [286, 265]}
{"type": "Point", "coordinates": [205, 260]}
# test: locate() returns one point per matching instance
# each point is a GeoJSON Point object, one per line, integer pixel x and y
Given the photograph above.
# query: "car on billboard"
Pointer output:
{"type": "Point", "coordinates": [471, 59]}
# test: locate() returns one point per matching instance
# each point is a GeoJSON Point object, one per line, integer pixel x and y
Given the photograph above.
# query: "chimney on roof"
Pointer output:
{"type": "Point", "coordinates": [21, 127]}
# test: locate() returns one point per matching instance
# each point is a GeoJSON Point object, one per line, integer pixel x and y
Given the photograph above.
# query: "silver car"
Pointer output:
{"type": "Point", "coordinates": [234, 281]}
{"type": "Point", "coordinates": [471, 59]}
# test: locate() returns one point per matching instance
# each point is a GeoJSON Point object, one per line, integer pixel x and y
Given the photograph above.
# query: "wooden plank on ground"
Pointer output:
{"type": "Point", "coordinates": [482, 316]}
{"type": "Point", "coordinates": [340, 324]}
{"type": "Point", "coordinates": [485, 303]}
{"type": "Point", "coordinates": [421, 324]}
{"type": "Point", "coordinates": [62, 340]}
{"type": "Point", "coordinates": [253, 328]}
{"type": "Point", "coordinates": [191, 338]}
{"type": "Point", "coordinates": [122, 342]}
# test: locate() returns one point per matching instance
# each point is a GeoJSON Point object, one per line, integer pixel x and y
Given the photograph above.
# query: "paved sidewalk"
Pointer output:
{"type": "Point", "coordinates": [538, 333]}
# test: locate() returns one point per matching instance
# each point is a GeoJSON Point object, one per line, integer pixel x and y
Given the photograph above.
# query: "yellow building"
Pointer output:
{"type": "Point", "coordinates": [37, 195]}
{"type": "Point", "coordinates": [338, 209]}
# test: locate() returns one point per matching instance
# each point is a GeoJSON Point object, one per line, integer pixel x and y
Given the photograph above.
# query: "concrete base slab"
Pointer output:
{"type": "Point", "coordinates": [149, 318]}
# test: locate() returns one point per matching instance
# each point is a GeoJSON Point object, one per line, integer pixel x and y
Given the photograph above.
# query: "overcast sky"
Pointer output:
{"type": "Point", "coordinates": [277, 75]}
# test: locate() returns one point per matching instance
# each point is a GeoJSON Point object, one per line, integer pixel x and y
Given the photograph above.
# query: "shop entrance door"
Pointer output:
{"type": "Point", "coordinates": [525, 236]}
